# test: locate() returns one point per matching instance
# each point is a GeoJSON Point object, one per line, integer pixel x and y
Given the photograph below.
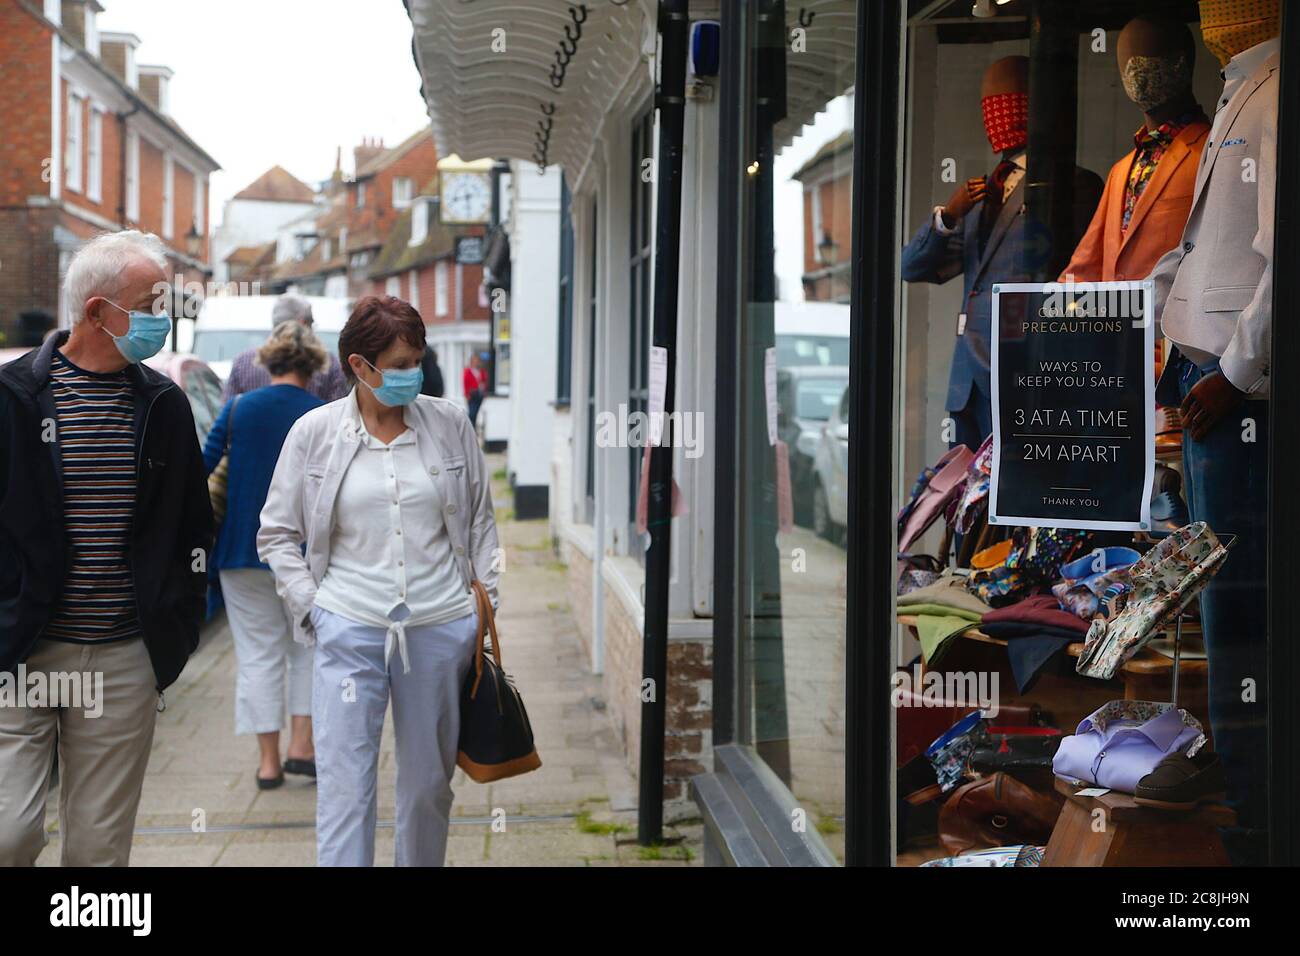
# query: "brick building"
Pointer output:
{"type": "Point", "coordinates": [827, 205]}
{"type": "Point", "coordinates": [417, 262]}
{"type": "Point", "coordinates": [89, 145]}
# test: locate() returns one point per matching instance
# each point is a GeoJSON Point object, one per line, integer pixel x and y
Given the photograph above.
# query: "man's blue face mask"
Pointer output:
{"type": "Point", "coordinates": [401, 385]}
{"type": "Point", "coordinates": [145, 336]}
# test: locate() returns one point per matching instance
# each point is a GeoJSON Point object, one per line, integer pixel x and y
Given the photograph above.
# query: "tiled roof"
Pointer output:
{"type": "Point", "coordinates": [398, 255]}
{"type": "Point", "coordinates": [277, 184]}
{"type": "Point", "coordinates": [388, 156]}
{"type": "Point", "coordinates": [843, 143]}
{"type": "Point", "coordinates": [248, 255]}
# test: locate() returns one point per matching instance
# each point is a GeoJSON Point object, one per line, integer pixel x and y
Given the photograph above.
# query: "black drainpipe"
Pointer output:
{"type": "Point", "coordinates": [674, 28]}
{"type": "Point", "coordinates": [121, 168]}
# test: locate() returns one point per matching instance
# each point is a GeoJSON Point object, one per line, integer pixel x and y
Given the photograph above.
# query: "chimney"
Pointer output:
{"type": "Point", "coordinates": [154, 87]}
{"type": "Point", "coordinates": [334, 185]}
{"type": "Point", "coordinates": [117, 50]}
{"type": "Point", "coordinates": [370, 148]}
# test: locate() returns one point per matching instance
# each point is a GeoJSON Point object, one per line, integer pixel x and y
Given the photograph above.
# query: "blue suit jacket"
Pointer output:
{"type": "Point", "coordinates": [1013, 253]}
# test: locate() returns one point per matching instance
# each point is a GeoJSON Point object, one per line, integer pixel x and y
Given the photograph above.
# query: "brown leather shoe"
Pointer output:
{"type": "Point", "coordinates": [1180, 782]}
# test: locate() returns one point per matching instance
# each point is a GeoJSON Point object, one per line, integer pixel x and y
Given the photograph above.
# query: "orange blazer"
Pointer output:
{"type": "Point", "coordinates": [1103, 254]}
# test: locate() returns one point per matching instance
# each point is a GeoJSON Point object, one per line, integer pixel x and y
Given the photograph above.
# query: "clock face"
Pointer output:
{"type": "Point", "coordinates": [466, 197]}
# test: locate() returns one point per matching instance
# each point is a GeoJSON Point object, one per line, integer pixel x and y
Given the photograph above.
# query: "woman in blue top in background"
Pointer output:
{"type": "Point", "coordinates": [257, 423]}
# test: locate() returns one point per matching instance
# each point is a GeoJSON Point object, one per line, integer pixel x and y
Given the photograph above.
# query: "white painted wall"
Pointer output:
{"type": "Point", "coordinates": [534, 314]}
{"type": "Point", "coordinates": [250, 222]}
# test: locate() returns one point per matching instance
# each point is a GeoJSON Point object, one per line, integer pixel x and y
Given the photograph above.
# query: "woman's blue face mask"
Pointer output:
{"type": "Point", "coordinates": [145, 336]}
{"type": "Point", "coordinates": [400, 387]}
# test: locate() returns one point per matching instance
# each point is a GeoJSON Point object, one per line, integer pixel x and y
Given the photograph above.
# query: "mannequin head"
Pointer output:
{"type": "Point", "coordinates": [1004, 98]}
{"type": "Point", "coordinates": [1156, 56]}
{"type": "Point", "coordinates": [1230, 27]}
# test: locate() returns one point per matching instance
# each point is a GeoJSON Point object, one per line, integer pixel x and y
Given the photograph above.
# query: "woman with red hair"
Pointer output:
{"type": "Point", "coordinates": [378, 519]}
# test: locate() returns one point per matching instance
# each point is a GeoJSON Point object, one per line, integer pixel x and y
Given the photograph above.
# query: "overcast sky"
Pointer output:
{"type": "Point", "coordinates": [266, 82]}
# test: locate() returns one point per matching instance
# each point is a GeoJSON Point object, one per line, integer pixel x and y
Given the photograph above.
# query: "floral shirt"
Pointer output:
{"type": "Point", "coordinates": [1151, 145]}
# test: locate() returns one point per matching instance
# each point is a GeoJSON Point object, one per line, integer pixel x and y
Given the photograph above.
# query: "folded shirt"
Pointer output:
{"type": "Point", "coordinates": [1037, 609]}
{"type": "Point", "coordinates": [937, 624]}
{"type": "Point", "coordinates": [948, 592]}
{"type": "Point", "coordinates": [1122, 741]}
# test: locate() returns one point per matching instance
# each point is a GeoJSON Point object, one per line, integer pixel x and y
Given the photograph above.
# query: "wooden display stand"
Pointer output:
{"type": "Point", "coordinates": [1128, 834]}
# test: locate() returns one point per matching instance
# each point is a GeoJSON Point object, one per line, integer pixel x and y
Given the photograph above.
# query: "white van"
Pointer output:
{"type": "Point", "coordinates": [229, 324]}
{"type": "Point", "coordinates": [811, 333]}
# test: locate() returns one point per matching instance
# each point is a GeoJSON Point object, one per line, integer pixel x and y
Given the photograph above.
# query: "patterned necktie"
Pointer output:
{"type": "Point", "coordinates": [993, 199]}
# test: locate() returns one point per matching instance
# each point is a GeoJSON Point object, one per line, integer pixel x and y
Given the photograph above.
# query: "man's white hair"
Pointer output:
{"type": "Point", "coordinates": [98, 266]}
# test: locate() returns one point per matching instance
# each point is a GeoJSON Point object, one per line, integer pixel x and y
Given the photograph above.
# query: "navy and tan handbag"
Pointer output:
{"type": "Point", "coordinates": [496, 739]}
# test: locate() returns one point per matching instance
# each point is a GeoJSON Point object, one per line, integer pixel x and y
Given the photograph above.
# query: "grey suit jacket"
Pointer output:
{"type": "Point", "coordinates": [1214, 292]}
{"type": "Point", "coordinates": [299, 507]}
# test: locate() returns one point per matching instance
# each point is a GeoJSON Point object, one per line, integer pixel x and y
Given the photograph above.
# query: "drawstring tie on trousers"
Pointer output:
{"type": "Point", "coordinates": [396, 635]}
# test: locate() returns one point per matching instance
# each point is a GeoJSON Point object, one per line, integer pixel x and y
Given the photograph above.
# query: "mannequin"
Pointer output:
{"type": "Point", "coordinates": [1149, 191]}
{"type": "Point", "coordinates": [1214, 298]}
{"type": "Point", "coordinates": [980, 234]}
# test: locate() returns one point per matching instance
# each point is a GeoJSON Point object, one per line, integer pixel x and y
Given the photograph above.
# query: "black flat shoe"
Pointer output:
{"type": "Point", "coordinates": [264, 783]}
{"type": "Point", "coordinates": [306, 768]}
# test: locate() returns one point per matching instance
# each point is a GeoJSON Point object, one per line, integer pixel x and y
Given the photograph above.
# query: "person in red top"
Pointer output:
{"type": "Point", "coordinates": [475, 383]}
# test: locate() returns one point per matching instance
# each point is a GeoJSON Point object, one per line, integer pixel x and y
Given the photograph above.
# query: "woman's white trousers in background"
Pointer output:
{"type": "Point", "coordinates": [266, 652]}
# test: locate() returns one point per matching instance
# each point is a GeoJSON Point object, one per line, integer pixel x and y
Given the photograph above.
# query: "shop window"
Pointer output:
{"type": "Point", "coordinates": [791, 486]}
{"type": "Point", "coordinates": [1043, 634]}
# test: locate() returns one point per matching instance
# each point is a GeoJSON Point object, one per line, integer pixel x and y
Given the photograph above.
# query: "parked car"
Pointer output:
{"type": "Point", "coordinates": [830, 506]}
{"type": "Point", "coordinates": [811, 333]}
{"type": "Point", "coordinates": [806, 398]}
{"type": "Point", "coordinates": [199, 383]}
{"type": "Point", "coordinates": [229, 324]}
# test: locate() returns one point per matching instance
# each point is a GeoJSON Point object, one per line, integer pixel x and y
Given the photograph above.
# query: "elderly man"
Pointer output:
{"type": "Point", "coordinates": [246, 375]}
{"type": "Point", "coordinates": [105, 527]}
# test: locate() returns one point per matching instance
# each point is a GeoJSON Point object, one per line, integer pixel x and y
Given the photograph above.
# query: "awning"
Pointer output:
{"type": "Point", "coordinates": [526, 79]}
{"type": "Point", "coordinates": [533, 80]}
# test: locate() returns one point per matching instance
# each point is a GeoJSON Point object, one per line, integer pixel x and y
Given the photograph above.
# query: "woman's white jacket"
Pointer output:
{"type": "Point", "coordinates": [299, 507]}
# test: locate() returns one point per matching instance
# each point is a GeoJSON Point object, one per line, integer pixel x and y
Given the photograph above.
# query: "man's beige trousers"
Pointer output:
{"type": "Point", "coordinates": [102, 758]}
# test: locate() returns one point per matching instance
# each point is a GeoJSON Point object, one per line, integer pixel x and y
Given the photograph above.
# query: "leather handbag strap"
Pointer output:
{"type": "Point", "coordinates": [486, 624]}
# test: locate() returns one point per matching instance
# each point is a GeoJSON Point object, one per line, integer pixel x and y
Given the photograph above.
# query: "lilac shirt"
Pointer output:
{"type": "Point", "coordinates": [246, 375]}
{"type": "Point", "coordinates": [1119, 744]}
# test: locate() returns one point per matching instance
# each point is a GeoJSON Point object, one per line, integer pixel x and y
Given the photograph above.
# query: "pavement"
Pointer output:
{"type": "Point", "coordinates": [201, 807]}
